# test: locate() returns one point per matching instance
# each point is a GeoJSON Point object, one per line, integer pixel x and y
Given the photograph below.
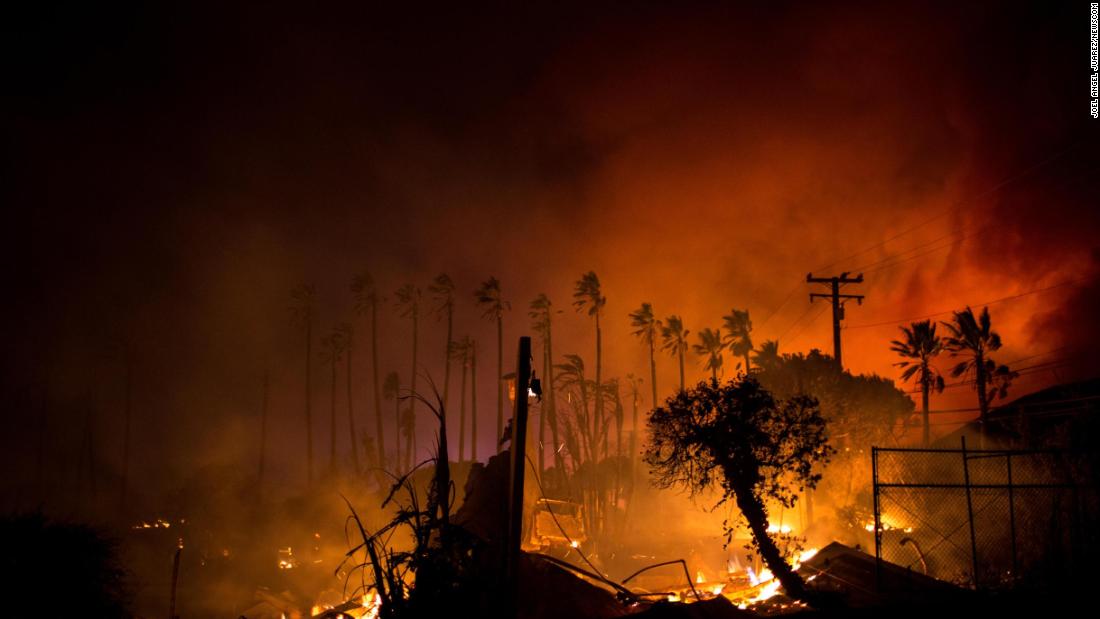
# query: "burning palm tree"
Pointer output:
{"type": "Point", "coordinates": [674, 340]}
{"type": "Point", "coordinates": [919, 346]}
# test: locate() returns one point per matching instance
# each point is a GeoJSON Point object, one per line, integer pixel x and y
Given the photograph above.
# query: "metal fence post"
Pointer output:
{"type": "Point", "coordinates": [1012, 517]}
{"type": "Point", "coordinates": [970, 514]}
{"type": "Point", "coordinates": [878, 518]}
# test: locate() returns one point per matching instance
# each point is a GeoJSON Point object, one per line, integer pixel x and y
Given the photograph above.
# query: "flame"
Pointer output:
{"type": "Point", "coordinates": [783, 529]}
{"type": "Point", "coordinates": [769, 590]}
{"type": "Point", "coordinates": [371, 606]}
{"type": "Point", "coordinates": [717, 590]}
{"type": "Point", "coordinates": [699, 577]}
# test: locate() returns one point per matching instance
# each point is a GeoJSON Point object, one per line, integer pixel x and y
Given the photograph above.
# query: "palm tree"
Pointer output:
{"type": "Point", "coordinates": [408, 305]}
{"type": "Point", "coordinates": [710, 346]}
{"type": "Point", "coordinates": [917, 349]}
{"type": "Point", "coordinates": [540, 323]}
{"type": "Point", "coordinates": [738, 335]}
{"type": "Point", "coordinates": [460, 351]}
{"type": "Point", "coordinates": [332, 352]}
{"type": "Point", "coordinates": [674, 340]}
{"type": "Point", "coordinates": [767, 356]}
{"type": "Point", "coordinates": [646, 327]}
{"type": "Point", "coordinates": [366, 298]}
{"type": "Point", "coordinates": [571, 377]}
{"type": "Point", "coordinates": [587, 297]}
{"type": "Point", "coordinates": [443, 291]}
{"type": "Point", "coordinates": [347, 335]}
{"type": "Point", "coordinates": [489, 299]}
{"type": "Point", "coordinates": [974, 338]}
{"type": "Point", "coordinates": [635, 383]}
{"type": "Point", "coordinates": [391, 390]}
{"type": "Point", "coordinates": [473, 400]}
{"type": "Point", "coordinates": [303, 297]}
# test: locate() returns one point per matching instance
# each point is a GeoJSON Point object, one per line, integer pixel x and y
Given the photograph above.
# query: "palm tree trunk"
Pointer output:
{"type": "Point", "coordinates": [552, 403]}
{"type": "Point", "coordinates": [447, 359]}
{"type": "Point", "coordinates": [599, 382]}
{"type": "Point", "coordinates": [748, 362]}
{"type": "Point", "coordinates": [473, 402]}
{"type": "Point", "coordinates": [681, 355]}
{"type": "Point", "coordinates": [309, 404]}
{"type": "Point", "coordinates": [462, 409]}
{"type": "Point", "coordinates": [926, 434]}
{"type": "Point", "coordinates": [983, 400]}
{"type": "Point", "coordinates": [410, 448]}
{"type": "Point", "coordinates": [500, 382]}
{"type": "Point", "coordinates": [351, 419]}
{"type": "Point", "coordinates": [542, 420]}
{"type": "Point", "coordinates": [381, 437]}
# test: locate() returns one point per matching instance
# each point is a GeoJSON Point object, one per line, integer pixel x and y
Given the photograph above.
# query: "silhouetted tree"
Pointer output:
{"type": "Point", "coordinates": [540, 314]}
{"type": "Point", "coordinates": [973, 337]}
{"type": "Point", "coordinates": [302, 297]}
{"type": "Point", "coordinates": [333, 347]}
{"type": "Point", "coordinates": [738, 438]}
{"type": "Point", "coordinates": [347, 335]}
{"type": "Point", "coordinates": [588, 298]}
{"type": "Point", "coordinates": [408, 304]}
{"type": "Point", "coordinates": [489, 299]}
{"type": "Point", "coordinates": [460, 351]}
{"type": "Point", "coordinates": [674, 340]}
{"type": "Point", "coordinates": [919, 346]}
{"type": "Point", "coordinates": [738, 335]}
{"type": "Point", "coordinates": [443, 292]}
{"type": "Point", "coordinates": [767, 356]}
{"type": "Point", "coordinates": [366, 298]}
{"type": "Point", "coordinates": [646, 328]}
{"type": "Point", "coordinates": [710, 346]}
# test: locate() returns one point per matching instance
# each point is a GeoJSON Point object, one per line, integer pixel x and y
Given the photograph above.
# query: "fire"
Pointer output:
{"type": "Point", "coordinates": [699, 577]}
{"type": "Point", "coordinates": [371, 606]}
{"type": "Point", "coordinates": [717, 590]}
{"type": "Point", "coordinates": [782, 529]}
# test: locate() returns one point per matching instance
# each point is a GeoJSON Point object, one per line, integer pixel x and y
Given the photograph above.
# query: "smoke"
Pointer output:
{"type": "Point", "coordinates": [178, 178]}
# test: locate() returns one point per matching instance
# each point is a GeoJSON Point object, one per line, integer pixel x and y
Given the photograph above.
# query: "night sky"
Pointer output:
{"type": "Point", "coordinates": [170, 173]}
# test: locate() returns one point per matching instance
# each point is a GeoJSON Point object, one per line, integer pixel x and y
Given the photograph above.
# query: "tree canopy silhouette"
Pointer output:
{"type": "Point", "coordinates": [737, 437]}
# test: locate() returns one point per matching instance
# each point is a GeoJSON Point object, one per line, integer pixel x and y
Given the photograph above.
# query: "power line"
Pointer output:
{"type": "Point", "coordinates": [984, 303]}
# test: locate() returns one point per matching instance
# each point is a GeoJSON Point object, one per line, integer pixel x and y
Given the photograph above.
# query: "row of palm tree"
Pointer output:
{"type": "Point", "coordinates": [971, 339]}
{"type": "Point", "coordinates": [336, 347]}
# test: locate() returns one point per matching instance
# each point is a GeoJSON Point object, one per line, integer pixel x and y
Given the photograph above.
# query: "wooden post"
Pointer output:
{"type": "Point", "coordinates": [515, 488]}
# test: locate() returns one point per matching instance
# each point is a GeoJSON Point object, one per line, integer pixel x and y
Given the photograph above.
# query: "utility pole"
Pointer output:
{"type": "Point", "coordinates": [515, 487]}
{"type": "Point", "coordinates": [838, 302]}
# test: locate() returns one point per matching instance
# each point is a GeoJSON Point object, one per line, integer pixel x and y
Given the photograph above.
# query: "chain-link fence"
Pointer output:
{"type": "Point", "coordinates": [978, 518]}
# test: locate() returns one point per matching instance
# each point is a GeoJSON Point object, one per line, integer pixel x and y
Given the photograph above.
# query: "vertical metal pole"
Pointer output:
{"type": "Point", "coordinates": [1012, 518]}
{"type": "Point", "coordinates": [515, 489]}
{"type": "Point", "coordinates": [838, 314]}
{"type": "Point", "coordinates": [878, 518]}
{"type": "Point", "coordinates": [970, 514]}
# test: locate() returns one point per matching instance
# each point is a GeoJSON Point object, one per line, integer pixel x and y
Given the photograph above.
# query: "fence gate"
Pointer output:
{"type": "Point", "coordinates": [977, 518]}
